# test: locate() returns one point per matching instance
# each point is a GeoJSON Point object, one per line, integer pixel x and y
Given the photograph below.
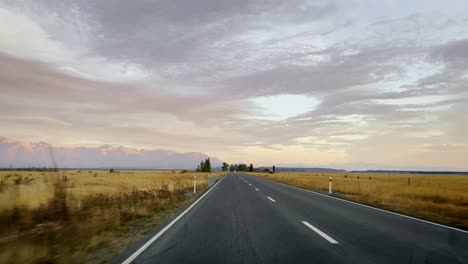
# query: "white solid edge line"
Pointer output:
{"type": "Point", "coordinates": [322, 234]}
{"type": "Point", "coordinates": [375, 208]}
{"type": "Point", "coordinates": [256, 189]}
{"type": "Point", "coordinates": [160, 233]}
{"type": "Point", "coordinates": [271, 199]}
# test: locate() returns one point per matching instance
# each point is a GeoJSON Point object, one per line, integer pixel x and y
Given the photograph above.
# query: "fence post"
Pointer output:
{"type": "Point", "coordinates": [195, 184]}
{"type": "Point", "coordinates": [330, 185]}
{"type": "Point", "coordinates": [358, 185]}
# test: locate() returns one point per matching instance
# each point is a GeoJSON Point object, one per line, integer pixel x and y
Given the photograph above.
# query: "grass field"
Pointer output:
{"type": "Point", "coordinates": [439, 198]}
{"type": "Point", "coordinates": [85, 216]}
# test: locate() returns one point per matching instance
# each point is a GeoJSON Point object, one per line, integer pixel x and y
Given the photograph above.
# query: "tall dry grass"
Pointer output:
{"type": "Point", "coordinates": [439, 198]}
{"type": "Point", "coordinates": [86, 216]}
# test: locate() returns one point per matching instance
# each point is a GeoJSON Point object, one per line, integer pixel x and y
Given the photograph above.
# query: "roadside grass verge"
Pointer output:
{"type": "Point", "coordinates": [86, 217]}
{"type": "Point", "coordinates": [438, 198]}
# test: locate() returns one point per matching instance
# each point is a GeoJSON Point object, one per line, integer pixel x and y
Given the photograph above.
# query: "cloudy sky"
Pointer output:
{"type": "Point", "coordinates": [350, 83]}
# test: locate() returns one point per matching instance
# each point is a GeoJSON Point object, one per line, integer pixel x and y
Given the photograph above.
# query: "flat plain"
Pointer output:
{"type": "Point", "coordinates": [439, 198]}
{"type": "Point", "coordinates": [86, 215]}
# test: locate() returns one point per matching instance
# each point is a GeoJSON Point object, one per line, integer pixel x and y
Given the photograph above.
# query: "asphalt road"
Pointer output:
{"type": "Point", "coordinates": [246, 219]}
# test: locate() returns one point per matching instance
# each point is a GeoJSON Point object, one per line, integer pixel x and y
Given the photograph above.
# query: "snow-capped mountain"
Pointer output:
{"type": "Point", "coordinates": [25, 154]}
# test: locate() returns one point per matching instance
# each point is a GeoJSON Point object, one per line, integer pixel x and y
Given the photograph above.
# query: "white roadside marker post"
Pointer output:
{"type": "Point", "coordinates": [195, 184]}
{"type": "Point", "coordinates": [330, 185]}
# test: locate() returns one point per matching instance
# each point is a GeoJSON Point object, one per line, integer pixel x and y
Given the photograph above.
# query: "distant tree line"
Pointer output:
{"type": "Point", "coordinates": [245, 167]}
{"type": "Point", "coordinates": [205, 166]}
{"type": "Point", "coordinates": [39, 169]}
{"type": "Point", "coordinates": [241, 167]}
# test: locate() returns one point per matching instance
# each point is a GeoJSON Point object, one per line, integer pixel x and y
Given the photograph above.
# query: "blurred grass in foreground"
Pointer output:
{"type": "Point", "coordinates": [439, 198]}
{"type": "Point", "coordinates": [85, 216]}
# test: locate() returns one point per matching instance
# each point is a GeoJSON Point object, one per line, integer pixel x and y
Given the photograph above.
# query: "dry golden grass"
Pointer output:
{"type": "Point", "coordinates": [439, 198]}
{"type": "Point", "coordinates": [85, 216]}
{"type": "Point", "coordinates": [83, 183]}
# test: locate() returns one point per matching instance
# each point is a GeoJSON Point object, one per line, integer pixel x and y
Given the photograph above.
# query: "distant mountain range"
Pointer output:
{"type": "Point", "coordinates": [312, 169]}
{"type": "Point", "coordinates": [17, 154]}
{"type": "Point", "coordinates": [325, 170]}
{"type": "Point", "coordinates": [293, 169]}
{"type": "Point", "coordinates": [300, 169]}
{"type": "Point", "coordinates": [414, 172]}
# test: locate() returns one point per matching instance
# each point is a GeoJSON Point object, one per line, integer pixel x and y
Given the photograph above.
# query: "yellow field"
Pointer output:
{"type": "Point", "coordinates": [439, 198]}
{"type": "Point", "coordinates": [68, 216]}
{"type": "Point", "coordinates": [83, 183]}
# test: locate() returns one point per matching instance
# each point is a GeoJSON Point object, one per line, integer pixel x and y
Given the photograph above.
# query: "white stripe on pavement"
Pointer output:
{"type": "Point", "coordinates": [160, 233]}
{"type": "Point", "coordinates": [271, 199]}
{"type": "Point", "coordinates": [371, 207]}
{"type": "Point", "coordinates": [322, 234]}
{"type": "Point", "coordinates": [256, 189]}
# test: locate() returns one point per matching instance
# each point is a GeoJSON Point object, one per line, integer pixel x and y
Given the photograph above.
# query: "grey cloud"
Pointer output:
{"type": "Point", "coordinates": [369, 66]}
{"type": "Point", "coordinates": [227, 52]}
{"type": "Point", "coordinates": [454, 56]}
{"type": "Point", "coordinates": [36, 95]}
{"type": "Point", "coordinates": [180, 31]}
{"type": "Point", "coordinates": [453, 52]}
{"type": "Point", "coordinates": [155, 33]}
{"type": "Point", "coordinates": [39, 81]}
{"type": "Point", "coordinates": [445, 147]}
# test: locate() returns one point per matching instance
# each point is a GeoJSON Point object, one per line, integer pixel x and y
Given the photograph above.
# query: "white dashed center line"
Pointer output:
{"type": "Point", "coordinates": [256, 189]}
{"type": "Point", "coordinates": [271, 199]}
{"type": "Point", "coordinates": [322, 234]}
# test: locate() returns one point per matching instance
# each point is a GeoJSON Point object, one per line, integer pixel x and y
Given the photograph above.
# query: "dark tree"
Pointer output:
{"type": "Point", "coordinates": [274, 168]}
{"type": "Point", "coordinates": [225, 166]}
{"type": "Point", "coordinates": [202, 166]}
{"type": "Point", "coordinates": [243, 167]}
{"type": "Point", "coordinates": [251, 167]}
{"type": "Point", "coordinates": [205, 166]}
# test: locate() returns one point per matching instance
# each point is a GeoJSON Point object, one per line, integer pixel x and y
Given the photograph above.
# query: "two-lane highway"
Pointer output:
{"type": "Point", "coordinates": [246, 219]}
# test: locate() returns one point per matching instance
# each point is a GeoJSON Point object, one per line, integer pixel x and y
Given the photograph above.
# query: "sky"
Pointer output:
{"type": "Point", "coordinates": [349, 84]}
